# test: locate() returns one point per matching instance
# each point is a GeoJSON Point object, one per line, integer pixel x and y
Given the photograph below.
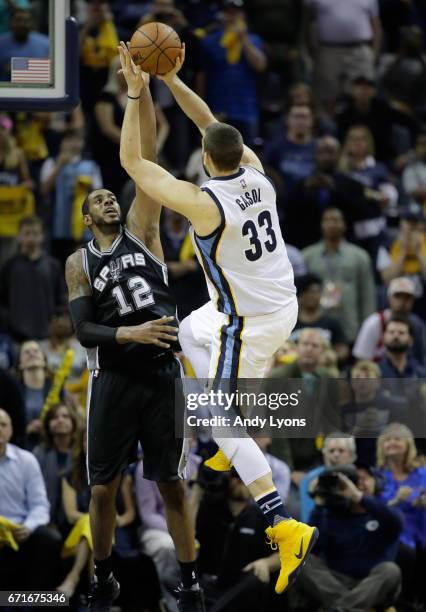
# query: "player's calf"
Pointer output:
{"type": "Point", "coordinates": [180, 524]}
{"type": "Point", "coordinates": [104, 588]}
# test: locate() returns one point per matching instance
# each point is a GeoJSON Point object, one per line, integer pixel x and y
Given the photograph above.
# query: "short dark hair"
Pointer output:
{"type": "Point", "coordinates": [30, 220]}
{"type": "Point", "coordinates": [224, 144]}
{"type": "Point", "coordinates": [294, 105]}
{"type": "Point", "coordinates": [400, 319]}
{"type": "Point", "coordinates": [305, 282]}
{"type": "Point", "coordinates": [20, 9]}
{"type": "Point", "coordinates": [85, 207]}
{"type": "Point", "coordinates": [332, 208]}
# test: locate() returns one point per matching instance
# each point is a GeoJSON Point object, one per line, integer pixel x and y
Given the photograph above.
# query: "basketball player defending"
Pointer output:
{"type": "Point", "coordinates": [238, 241]}
{"type": "Point", "coordinates": [122, 311]}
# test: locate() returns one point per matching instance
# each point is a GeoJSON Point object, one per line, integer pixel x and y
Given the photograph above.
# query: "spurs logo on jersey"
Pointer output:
{"type": "Point", "coordinates": [129, 287]}
{"type": "Point", "coordinates": [115, 267]}
{"type": "Point", "coordinates": [245, 261]}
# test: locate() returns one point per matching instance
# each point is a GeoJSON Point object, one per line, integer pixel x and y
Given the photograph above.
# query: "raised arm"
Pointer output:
{"type": "Point", "coordinates": [143, 218]}
{"type": "Point", "coordinates": [196, 109]}
{"type": "Point", "coordinates": [192, 105]}
{"type": "Point", "coordinates": [158, 184]}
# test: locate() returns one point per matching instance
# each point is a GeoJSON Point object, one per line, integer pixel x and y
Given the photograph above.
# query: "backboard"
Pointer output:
{"type": "Point", "coordinates": [33, 80]}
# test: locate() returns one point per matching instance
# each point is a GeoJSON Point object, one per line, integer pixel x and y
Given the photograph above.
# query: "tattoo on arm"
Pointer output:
{"type": "Point", "coordinates": [77, 283]}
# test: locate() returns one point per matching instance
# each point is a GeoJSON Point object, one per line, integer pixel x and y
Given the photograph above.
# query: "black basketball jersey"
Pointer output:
{"type": "Point", "coordinates": [129, 287]}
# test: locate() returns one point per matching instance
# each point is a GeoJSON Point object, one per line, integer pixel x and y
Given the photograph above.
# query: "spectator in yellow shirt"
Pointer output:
{"type": "Point", "coordinates": [98, 46]}
{"type": "Point", "coordinates": [407, 256]}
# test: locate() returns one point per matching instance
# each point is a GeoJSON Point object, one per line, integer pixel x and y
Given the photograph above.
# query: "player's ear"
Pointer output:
{"type": "Point", "coordinates": [206, 163]}
{"type": "Point", "coordinates": [87, 220]}
{"type": "Point", "coordinates": [206, 158]}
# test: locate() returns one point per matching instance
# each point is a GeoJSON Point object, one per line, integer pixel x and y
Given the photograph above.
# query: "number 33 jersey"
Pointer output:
{"type": "Point", "coordinates": [245, 261]}
{"type": "Point", "coordinates": [129, 287]}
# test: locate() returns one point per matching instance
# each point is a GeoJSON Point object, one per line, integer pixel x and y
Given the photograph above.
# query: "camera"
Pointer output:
{"type": "Point", "coordinates": [329, 485]}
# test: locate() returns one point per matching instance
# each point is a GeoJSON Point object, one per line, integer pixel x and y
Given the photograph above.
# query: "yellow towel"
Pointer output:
{"type": "Point", "coordinates": [411, 263]}
{"type": "Point", "coordinates": [61, 374]}
{"type": "Point", "coordinates": [200, 32]}
{"type": "Point", "coordinates": [319, 441]}
{"type": "Point", "coordinates": [6, 533]}
{"type": "Point", "coordinates": [97, 52]}
{"type": "Point", "coordinates": [232, 43]}
{"type": "Point", "coordinates": [30, 137]}
{"type": "Point", "coordinates": [79, 387]}
{"type": "Point", "coordinates": [80, 530]}
{"type": "Point", "coordinates": [187, 249]}
{"type": "Point", "coordinates": [82, 188]}
{"type": "Point", "coordinates": [288, 358]}
{"type": "Point", "coordinates": [15, 204]}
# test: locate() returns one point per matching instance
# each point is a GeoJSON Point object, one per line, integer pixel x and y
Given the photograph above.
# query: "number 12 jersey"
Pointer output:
{"type": "Point", "coordinates": [129, 287]}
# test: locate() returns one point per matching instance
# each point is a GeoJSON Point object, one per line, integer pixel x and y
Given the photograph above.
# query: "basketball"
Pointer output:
{"type": "Point", "coordinates": [154, 47]}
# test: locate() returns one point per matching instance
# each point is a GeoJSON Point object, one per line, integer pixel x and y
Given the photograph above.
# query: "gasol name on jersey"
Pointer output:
{"type": "Point", "coordinates": [249, 198]}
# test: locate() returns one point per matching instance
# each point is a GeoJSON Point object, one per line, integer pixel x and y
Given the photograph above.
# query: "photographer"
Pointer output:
{"type": "Point", "coordinates": [338, 449]}
{"type": "Point", "coordinates": [355, 568]}
{"type": "Point", "coordinates": [234, 561]}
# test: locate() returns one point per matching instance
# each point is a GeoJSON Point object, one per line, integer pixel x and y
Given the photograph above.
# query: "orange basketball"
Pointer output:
{"type": "Point", "coordinates": [154, 47]}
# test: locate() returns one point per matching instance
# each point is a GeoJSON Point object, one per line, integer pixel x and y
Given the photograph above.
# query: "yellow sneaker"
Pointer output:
{"type": "Point", "coordinates": [294, 541]}
{"type": "Point", "coordinates": [219, 462]}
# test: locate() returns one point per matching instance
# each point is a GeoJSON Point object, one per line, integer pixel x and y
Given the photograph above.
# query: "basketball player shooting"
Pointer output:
{"type": "Point", "coordinates": [122, 312]}
{"type": "Point", "coordinates": [238, 241]}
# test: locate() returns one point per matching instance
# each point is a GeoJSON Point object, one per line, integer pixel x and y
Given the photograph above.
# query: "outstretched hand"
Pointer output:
{"type": "Point", "coordinates": [136, 79]}
{"type": "Point", "coordinates": [168, 77]}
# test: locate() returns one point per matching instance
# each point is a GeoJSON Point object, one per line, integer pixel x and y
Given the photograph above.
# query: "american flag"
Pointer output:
{"type": "Point", "coordinates": [30, 70]}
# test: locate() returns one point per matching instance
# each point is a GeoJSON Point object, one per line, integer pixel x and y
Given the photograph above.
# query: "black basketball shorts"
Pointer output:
{"type": "Point", "coordinates": [124, 409]}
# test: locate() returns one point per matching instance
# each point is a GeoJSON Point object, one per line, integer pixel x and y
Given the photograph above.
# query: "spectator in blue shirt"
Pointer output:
{"type": "Point", "coordinates": [404, 488]}
{"type": "Point", "coordinates": [12, 401]}
{"type": "Point", "coordinates": [292, 157]}
{"type": "Point", "coordinates": [404, 481]}
{"type": "Point", "coordinates": [355, 568]}
{"type": "Point", "coordinates": [23, 501]}
{"type": "Point", "coordinates": [401, 371]}
{"type": "Point", "coordinates": [398, 340]}
{"type": "Point", "coordinates": [358, 162]}
{"type": "Point", "coordinates": [5, 10]}
{"type": "Point", "coordinates": [21, 42]}
{"type": "Point", "coordinates": [231, 59]}
{"type": "Point", "coordinates": [67, 179]}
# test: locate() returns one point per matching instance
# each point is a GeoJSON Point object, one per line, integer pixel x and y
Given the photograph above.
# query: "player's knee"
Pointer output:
{"type": "Point", "coordinates": [103, 494]}
{"type": "Point", "coordinates": [173, 494]}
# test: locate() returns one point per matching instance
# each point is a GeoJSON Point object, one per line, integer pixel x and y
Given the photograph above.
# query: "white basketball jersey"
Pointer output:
{"type": "Point", "coordinates": [245, 261]}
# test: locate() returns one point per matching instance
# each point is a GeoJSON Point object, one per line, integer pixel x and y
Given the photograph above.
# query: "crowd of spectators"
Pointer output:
{"type": "Point", "coordinates": [331, 95]}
